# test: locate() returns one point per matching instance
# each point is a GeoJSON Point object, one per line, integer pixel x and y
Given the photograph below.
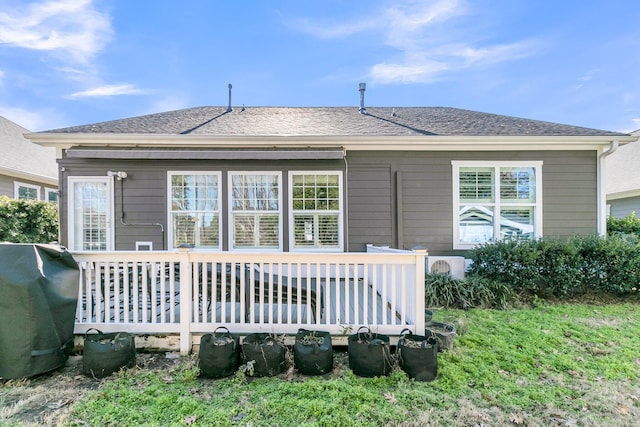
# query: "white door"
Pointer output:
{"type": "Point", "coordinates": [90, 209]}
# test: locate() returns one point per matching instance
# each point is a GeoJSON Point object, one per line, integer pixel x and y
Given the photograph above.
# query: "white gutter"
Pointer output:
{"type": "Point", "coordinates": [349, 143]}
{"type": "Point", "coordinates": [602, 197]}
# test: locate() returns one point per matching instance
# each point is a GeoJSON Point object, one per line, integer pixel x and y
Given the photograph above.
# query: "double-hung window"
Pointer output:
{"type": "Point", "coordinates": [194, 208]}
{"type": "Point", "coordinates": [26, 191]}
{"type": "Point", "coordinates": [315, 210]}
{"type": "Point", "coordinates": [496, 200]}
{"type": "Point", "coordinates": [255, 204]}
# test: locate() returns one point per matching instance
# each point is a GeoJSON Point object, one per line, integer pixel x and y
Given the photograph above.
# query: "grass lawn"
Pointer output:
{"type": "Point", "coordinates": [573, 365]}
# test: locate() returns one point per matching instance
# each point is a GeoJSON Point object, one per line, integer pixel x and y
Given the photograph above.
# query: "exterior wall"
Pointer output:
{"type": "Point", "coordinates": [144, 192]}
{"type": "Point", "coordinates": [7, 186]}
{"type": "Point", "coordinates": [622, 208]}
{"type": "Point", "coordinates": [419, 187]}
{"type": "Point", "coordinates": [401, 199]}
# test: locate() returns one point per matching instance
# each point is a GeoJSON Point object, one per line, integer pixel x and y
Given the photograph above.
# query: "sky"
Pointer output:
{"type": "Point", "coordinates": [75, 62]}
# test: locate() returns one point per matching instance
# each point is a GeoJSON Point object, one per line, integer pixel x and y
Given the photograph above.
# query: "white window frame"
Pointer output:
{"type": "Point", "coordinates": [538, 208]}
{"type": "Point", "coordinates": [18, 184]}
{"type": "Point", "coordinates": [71, 181]}
{"type": "Point", "coordinates": [219, 211]}
{"type": "Point", "coordinates": [48, 191]}
{"type": "Point", "coordinates": [340, 211]}
{"type": "Point", "coordinates": [230, 211]}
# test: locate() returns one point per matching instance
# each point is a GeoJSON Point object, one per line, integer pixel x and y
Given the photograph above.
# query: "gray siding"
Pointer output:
{"type": "Point", "coordinates": [7, 184]}
{"type": "Point", "coordinates": [401, 199]}
{"type": "Point", "coordinates": [622, 208]}
{"type": "Point", "coordinates": [421, 194]}
{"type": "Point", "coordinates": [144, 192]}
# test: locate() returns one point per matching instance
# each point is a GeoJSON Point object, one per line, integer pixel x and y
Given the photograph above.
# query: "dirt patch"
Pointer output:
{"type": "Point", "coordinates": [48, 399]}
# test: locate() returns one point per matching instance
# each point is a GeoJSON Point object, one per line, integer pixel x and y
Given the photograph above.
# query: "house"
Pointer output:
{"type": "Point", "coordinates": [259, 218]}
{"type": "Point", "coordinates": [326, 179]}
{"type": "Point", "coordinates": [27, 170]}
{"type": "Point", "coordinates": [622, 180]}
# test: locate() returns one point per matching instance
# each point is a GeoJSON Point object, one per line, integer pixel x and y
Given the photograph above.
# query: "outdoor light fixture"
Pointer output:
{"type": "Point", "coordinates": [120, 175]}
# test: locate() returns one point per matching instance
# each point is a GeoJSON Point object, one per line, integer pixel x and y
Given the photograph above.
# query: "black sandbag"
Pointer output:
{"type": "Point", "coordinates": [418, 356]}
{"type": "Point", "coordinates": [313, 352]}
{"type": "Point", "coordinates": [444, 332]}
{"type": "Point", "coordinates": [369, 353]}
{"type": "Point", "coordinates": [265, 355]}
{"type": "Point", "coordinates": [106, 353]}
{"type": "Point", "coordinates": [38, 299]}
{"type": "Point", "coordinates": [219, 354]}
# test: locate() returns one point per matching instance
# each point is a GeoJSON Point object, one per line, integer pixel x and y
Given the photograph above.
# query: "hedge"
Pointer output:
{"type": "Point", "coordinates": [551, 267]}
{"type": "Point", "coordinates": [28, 221]}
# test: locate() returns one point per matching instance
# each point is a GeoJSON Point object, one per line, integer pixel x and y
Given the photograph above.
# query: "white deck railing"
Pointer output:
{"type": "Point", "coordinates": [190, 293]}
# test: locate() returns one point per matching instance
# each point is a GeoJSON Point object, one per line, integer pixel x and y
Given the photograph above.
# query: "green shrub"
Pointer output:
{"type": "Point", "coordinates": [628, 225]}
{"type": "Point", "coordinates": [551, 267]}
{"type": "Point", "coordinates": [28, 221]}
{"type": "Point", "coordinates": [443, 290]}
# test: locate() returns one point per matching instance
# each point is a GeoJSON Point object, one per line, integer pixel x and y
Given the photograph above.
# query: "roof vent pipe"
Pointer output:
{"type": "Point", "coordinates": [362, 88]}
{"type": "Point", "coordinates": [229, 109]}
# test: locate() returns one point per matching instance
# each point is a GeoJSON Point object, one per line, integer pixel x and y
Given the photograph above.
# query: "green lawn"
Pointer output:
{"type": "Point", "coordinates": [550, 365]}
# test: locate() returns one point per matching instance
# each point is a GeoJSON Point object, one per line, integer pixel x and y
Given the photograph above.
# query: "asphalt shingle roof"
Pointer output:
{"type": "Point", "coordinates": [332, 121]}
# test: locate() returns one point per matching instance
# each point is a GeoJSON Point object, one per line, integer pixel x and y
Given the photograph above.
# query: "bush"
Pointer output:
{"type": "Point", "coordinates": [551, 267]}
{"type": "Point", "coordinates": [28, 221]}
{"type": "Point", "coordinates": [628, 225]}
{"type": "Point", "coordinates": [443, 290]}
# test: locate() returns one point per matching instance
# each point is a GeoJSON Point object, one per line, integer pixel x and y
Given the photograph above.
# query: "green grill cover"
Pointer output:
{"type": "Point", "coordinates": [38, 298]}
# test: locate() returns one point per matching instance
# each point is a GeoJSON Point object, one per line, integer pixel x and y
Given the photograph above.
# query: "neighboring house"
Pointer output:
{"type": "Point", "coordinates": [27, 170]}
{"type": "Point", "coordinates": [326, 179]}
{"type": "Point", "coordinates": [622, 180]}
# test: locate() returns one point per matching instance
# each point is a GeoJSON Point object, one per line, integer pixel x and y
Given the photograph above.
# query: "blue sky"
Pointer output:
{"type": "Point", "coordinates": [72, 62]}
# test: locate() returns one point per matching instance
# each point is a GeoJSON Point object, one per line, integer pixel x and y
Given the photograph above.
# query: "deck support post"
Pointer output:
{"type": "Point", "coordinates": [186, 297]}
{"type": "Point", "coordinates": [421, 257]}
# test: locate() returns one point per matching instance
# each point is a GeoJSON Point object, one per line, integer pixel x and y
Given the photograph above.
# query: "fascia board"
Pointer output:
{"type": "Point", "coordinates": [349, 143]}
{"type": "Point", "coordinates": [623, 194]}
{"type": "Point", "coordinates": [42, 179]}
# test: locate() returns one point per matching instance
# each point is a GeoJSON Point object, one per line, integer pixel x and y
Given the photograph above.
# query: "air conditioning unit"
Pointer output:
{"type": "Point", "coordinates": [453, 265]}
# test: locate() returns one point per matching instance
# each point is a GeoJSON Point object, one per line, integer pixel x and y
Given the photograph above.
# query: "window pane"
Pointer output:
{"type": "Point", "coordinates": [195, 211]}
{"type": "Point", "coordinates": [256, 231]}
{"type": "Point", "coordinates": [517, 185]}
{"type": "Point", "coordinates": [199, 229]}
{"type": "Point", "coordinates": [254, 193]}
{"type": "Point", "coordinates": [319, 231]}
{"type": "Point", "coordinates": [517, 222]}
{"type": "Point", "coordinates": [256, 205]}
{"type": "Point", "coordinates": [90, 216]}
{"type": "Point", "coordinates": [475, 224]}
{"type": "Point", "coordinates": [27, 193]}
{"type": "Point", "coordinates": [477, 185]}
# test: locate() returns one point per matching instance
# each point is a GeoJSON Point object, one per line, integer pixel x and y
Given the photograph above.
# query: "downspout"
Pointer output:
{"type": "Point", "coordinates": [602, 197]}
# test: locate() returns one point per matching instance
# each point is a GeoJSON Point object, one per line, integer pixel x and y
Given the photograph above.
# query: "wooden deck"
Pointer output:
{"type": "Point", "coordinates": [189, 293]}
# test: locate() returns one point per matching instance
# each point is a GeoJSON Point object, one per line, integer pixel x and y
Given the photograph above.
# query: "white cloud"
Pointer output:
{"type": "Point", "coordinates": [74, 27]}
{"type": "Point", "coordinates": [427, 47]}
{"type": "Point", "coordinates": [30, 119]}
{"type": "Point", "coordinates": [108, 90]}
{"type": "Point", "coordinates": [1, 77]}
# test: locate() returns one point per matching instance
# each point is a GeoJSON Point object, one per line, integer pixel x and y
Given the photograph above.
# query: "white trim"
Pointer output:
{"type": "Point", "coordinates": [357, 142]}
{"type": "Point", "coordinates": [169, 210]}
{"type": "Point", "coordinates": [108, 181]}
{"type": "Point", "coordinates": [18, 184]}
{"type": "Point", "coordinates": [538, 209]}
{"type": "Point", "coordinates": [230, 212]}
{"type": "Point", "coordinates": [340, 211]}
{"type": "Point", "coordinates": [48, 191]}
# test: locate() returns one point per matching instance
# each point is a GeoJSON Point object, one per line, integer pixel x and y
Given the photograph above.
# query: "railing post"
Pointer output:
{"type": "Point", "coordinates": [420, 280]}
{"type": "Point", "coordinates": [186, 301]}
